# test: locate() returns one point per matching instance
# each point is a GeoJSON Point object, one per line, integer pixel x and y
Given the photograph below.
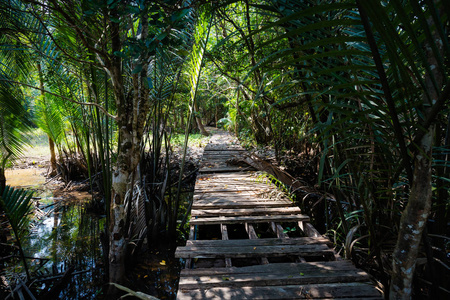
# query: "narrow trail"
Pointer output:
{"type": "Point", "coordinates": [247, 241]}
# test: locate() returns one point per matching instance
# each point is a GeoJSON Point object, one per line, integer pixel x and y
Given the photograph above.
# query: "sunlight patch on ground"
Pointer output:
{"type": "Point", "coordinates": [24, 177]}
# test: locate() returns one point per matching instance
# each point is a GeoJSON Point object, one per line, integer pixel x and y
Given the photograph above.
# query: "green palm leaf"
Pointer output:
{"type": "Point", "coordinates": [17, 206]}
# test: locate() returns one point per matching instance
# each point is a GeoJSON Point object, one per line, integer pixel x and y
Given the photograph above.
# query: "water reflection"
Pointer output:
{"type": "Point", "coordinates": [63, 235]}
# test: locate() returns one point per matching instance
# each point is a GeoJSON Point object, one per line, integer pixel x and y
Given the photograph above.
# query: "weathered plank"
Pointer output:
{"type": "Point", "coordinates": [232, 176]}
{"type": "Point", "coordinates": [308, 229]}
{"type": "Point", "coordinates": [224, 230]}
{"type": "Point", "coordinates": [253, 251]}
{"type": "Point", "coordinates": [206, 170]}
{"type": "Point", "coordinates": [231, 198]}
{"type": "Point", "coordinates": [230, 189]}
{"type": "Point", "coordinates": [278, 230]}
{"type": "Point", "coordinates": [229, 183]}
{"type": "Point", "coordinates": [253, 236]}
{"type": "Point", "coordinates": [352, 290]}
{"type": "Point", "coordinates": [235, 148]}
{"type": "Point", "coordinates": [205, 204]}
{"type": "Point", "coordinates": [235, 196]}
{"type": "Point", "coordinates": [248, 219]}
{"type": "Point", "coordinates": [245, 212]}
{"type": "Point", "coordinates": [278, 268]}
{"type": "Point", "coordinates": [225, 153]}
{"type": "Point", "coordinates": [271, 278]}
{"type": "Point", "coordinates": [259, 242]}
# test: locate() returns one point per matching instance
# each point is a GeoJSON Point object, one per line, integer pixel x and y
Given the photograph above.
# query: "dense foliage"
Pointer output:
{"type": "Point", "coordinates": [356, 89]}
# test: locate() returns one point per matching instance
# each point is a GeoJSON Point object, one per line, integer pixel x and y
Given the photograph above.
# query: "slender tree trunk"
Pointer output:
{"type": "Point", "coordinates": [415, 215]}
{"type": "Point", "coordinates": [236, 117]}
{"type": "Point", "coordinates": [131, 116]}
{"type": "Point", "coordinates": [2, 180]}
{"type": "Point", "coordinates": [412, 223]}
{"type": "Point", "coordinates": [53, 166]}
{"type": "Point", "coordinates": [199, 121]}
{"type": "Point", "coordinates": [50, 140]}
{"type": "Point", "coordinates": [216, 115]}
{"type": "Point", "coordinates": [181, 120]}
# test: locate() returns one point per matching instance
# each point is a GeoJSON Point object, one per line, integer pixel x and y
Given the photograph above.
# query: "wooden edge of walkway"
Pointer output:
{"type": "Point", "coordinates": [355, 290]}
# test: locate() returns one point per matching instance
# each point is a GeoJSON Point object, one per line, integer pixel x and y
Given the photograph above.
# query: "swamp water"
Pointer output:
{"type": "Point", "coordinates": [64, 234]}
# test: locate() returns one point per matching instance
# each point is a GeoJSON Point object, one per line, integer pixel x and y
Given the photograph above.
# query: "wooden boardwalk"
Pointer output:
{"type": "Point", "coordinates": [247, 241]}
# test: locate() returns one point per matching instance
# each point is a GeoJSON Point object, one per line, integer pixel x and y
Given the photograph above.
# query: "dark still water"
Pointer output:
{"type": "Point", "coordinates": [64, 236]}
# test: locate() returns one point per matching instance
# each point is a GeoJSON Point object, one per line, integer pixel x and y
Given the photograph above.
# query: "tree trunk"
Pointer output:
{"type": "Point", "coordinates": [2, 180]}
{"type": "Point", "coordinates": [131, 117]}
{"type": "Point", "coordinates": [412, 223]}
{"type": "Point", "coordinates": [199, 121]}
{"type": "Point", "coordinates": [415, 215]}
{"type": "Point", "coordinates": [51, 143]}
{"type": "Point", "coordinates": [53, 166]}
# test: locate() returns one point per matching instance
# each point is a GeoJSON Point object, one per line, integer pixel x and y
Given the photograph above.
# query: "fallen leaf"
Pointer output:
{"type": "Point", "coordinates": [162, 263]}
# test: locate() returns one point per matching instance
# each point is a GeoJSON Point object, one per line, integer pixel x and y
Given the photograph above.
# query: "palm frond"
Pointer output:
{"type": "Point", "coordinates": [17, 205]}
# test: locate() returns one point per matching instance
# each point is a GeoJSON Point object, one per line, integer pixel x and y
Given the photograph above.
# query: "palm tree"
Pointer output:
{"type": "Point", "coordinates": [15, 120]}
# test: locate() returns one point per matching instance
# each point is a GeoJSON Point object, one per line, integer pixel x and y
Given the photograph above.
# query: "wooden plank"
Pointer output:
{"type": "Point", "coordinates": [253, 236]}
{"type": "Point", "coordinates": [242, 201]}
{"type": "Point", "coordinates": [224, 230]}
{"type": "Point", "coordinates": [278, 268]}
{"type": "Point", "coordinates": [245, 212]}
{"type": "Point", "coordinates": [352, 290]}
{"type": "Point", "coordinates": [251, 251]}
{"type": "Point", "coordinates": [308, 229]}
{"type": "Point", "coordinates": [224, 170]}
{"type": "Point", "coordinates": [235, 204]}
{"type": "Point", "coordinates": [234, 184]}
{"type": "Point", "coordinates": [278, 230]}
{"type": "Point", "coordinates": [230, 198]}
{"type": "Point", "coordinates": [239, 190]}
{"type": "Point", "coordinates": [260, 242]}
{"type": "Point", "coordinates": [188, 263]}
{"type": "Point", "coordinates": [238, 181]}
{"type": "Point", "coordinates": [211, 148]}
{"type": "Point", "coordinates": [268, 279]}
{"type": "Point", "coordinates": [248, 219]}
{"type": "Point", "coordinates": [222, 154]}
{"type": "Point", "coordinates": [235, 196]}
{"type": "Point", "coordinates": [232, 176]}
{"type": "Point", "coordinates": [227, 183]}
{"type": "Point", "coordinates": [216, 188]}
